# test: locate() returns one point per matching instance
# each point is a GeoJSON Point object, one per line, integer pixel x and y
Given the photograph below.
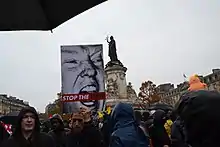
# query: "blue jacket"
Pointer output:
{"type": "Point", "coordinates": [125, 130]}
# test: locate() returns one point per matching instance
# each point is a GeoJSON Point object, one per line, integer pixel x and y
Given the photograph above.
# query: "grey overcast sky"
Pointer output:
{"type": "Point", "coordinates": [156, 39]}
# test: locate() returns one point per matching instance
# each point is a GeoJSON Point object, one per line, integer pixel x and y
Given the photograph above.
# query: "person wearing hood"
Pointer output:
{"type": "Point", "coordinates": [157, 131]}
{"type": "Point", "coordinates": [58, 133]}
{"type": "Point", "coordinates": [200, 112]}
{"type": "Point", "coordinates": [125, 130]}
{"type": "Point", "coordinates": [27, 131]}
{"type": "Point", "coordinates": [105, 128]}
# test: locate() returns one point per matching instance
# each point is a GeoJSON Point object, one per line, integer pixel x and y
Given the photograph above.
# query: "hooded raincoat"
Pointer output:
{"type": "Point", "coordinates": [125, 130]}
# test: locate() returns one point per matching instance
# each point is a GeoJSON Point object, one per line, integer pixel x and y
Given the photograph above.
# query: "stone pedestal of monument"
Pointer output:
{"type": "Point", "coordinates": [115, 78]}
{"type": "Point", "coordinates": [116, 85]}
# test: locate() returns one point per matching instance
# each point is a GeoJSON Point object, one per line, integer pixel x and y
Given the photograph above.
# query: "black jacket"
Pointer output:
{"type": "Point", "coordinates": [200, 112]}
{"type": "Point", "coordinates": [59, 138]}
{"type": "Point", "coordinates": [89, 137]}
{"type": "Point", "coordinates": [40, 140]}
{"type": "Point", "coordinates": [58, 134]}
{"type": "Point", "coordinates": [157, 131]}
{"type": "Point", "coordinates": [178, 134]}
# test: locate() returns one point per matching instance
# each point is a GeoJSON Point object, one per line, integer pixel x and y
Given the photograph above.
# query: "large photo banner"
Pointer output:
{"type": "Point", "coordinates": [82, 70]}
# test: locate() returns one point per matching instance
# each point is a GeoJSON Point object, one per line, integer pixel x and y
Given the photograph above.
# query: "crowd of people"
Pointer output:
{"type": "Point", "coordinates": [193, 122]}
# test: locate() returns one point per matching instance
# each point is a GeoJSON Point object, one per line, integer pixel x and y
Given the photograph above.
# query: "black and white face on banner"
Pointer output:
{"type": "Point", "coordinates": [82, 73]}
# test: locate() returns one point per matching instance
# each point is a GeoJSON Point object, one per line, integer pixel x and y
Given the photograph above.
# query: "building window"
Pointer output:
{"type": "Point", "coordinates": [210, 79]}
{"type": "Point", "coordinates": [205, 81]}
{"type": "Point", "coordinates": [216, 77]}
{"type": "Point", "coordinates": [5, 111]}
{"type": "Point", "coordinates": [211, 87]}
{"type": "Point", "coordinates": [213, 78]}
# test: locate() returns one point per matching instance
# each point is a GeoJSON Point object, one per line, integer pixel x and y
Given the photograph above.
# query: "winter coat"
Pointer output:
{"type": "Point", "coordinates": [178, 134]}
{"type": "Point", "coordinates": [89, 137]}
{"type": "Point", "coordinates": [200, 112]}
{"type": "Point", "coordinates": [157, 131]}
{"type": "Point", "coordinates": [59, 134]}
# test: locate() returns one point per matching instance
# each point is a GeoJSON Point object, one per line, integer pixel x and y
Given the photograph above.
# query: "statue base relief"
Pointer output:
{"type": "Point", "coordinates": [115, 78]}
{"type": "Point", "coordinates": [116, 85]}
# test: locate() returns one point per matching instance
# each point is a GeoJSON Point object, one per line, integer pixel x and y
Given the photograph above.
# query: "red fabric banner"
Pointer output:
{"type": "Point", "coordinates": [83, 97]}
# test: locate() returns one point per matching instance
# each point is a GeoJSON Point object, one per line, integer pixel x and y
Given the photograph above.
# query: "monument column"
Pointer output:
{"type": "Point", "coordinates": [115, 78]}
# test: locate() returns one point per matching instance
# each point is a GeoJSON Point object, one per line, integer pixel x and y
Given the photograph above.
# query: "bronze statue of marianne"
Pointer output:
{"type": "Point", "coordinates": [112, 49]}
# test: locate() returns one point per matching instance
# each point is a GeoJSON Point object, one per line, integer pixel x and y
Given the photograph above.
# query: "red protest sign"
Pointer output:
{"type": "Point", "coordinates": [83, 97]}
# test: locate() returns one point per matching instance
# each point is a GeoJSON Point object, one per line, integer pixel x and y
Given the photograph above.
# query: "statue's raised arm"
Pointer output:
{"type": "Point", "coordinates": [107, 39]}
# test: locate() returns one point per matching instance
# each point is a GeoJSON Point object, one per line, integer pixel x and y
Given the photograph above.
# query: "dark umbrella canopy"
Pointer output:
{"type": "Point", "coordinates": [160, 106]}
{"type": "Point", "coordinates": [40, 14]}
{"type": "Point", "coordinates": [10, 118]}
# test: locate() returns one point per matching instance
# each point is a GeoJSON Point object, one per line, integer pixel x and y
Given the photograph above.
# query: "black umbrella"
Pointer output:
{"type": "Point", "coordinates": [160, 106]}
{"type": "Point", "coordinates": [40, 14]}
{"type": "Point", "coordinates": [10, 118]}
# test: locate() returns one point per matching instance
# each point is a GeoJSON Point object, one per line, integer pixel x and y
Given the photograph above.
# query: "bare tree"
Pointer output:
{"type": "Point", "coordinates": [148, 93]}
